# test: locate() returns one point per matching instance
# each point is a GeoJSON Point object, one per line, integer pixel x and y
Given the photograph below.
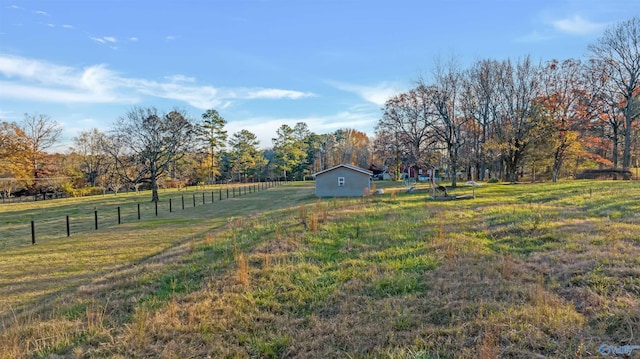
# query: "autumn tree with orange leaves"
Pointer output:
{"type": "Point", "coordinates": [14, 164]}
{"type": "Point", "coordinates": [566, 101]}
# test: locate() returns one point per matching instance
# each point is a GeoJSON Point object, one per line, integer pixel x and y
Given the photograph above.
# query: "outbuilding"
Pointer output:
{"type": "Point", "coordinates": [343, 181]}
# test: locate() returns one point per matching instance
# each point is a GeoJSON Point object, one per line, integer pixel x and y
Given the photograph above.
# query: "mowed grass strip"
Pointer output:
{"type": "Point", "coordinates": [49, 216]}
{"type": "Point", "coordinates": [543, 270]}
{"type": "Point", "coordinates": [29, 272]}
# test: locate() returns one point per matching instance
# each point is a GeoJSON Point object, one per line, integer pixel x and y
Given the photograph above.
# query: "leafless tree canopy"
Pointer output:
{"type": "Point", "coordinates": [617, 52]}
{"type": "Point", "coordinates": [144, 142]}
{"type": "Point", "coordinates": [41, 133]}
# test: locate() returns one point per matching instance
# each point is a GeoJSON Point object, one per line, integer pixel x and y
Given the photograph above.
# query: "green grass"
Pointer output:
{"type": "Point", "coordinates": [536, 270]}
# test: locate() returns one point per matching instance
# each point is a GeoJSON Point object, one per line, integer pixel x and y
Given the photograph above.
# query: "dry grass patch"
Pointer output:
{"type": "Point", "coordinates": [522, 271]}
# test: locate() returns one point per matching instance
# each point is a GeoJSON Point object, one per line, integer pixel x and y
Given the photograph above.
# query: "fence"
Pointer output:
{"type": "Point", "coordinates": [172, 204]}
{"type": "Point", "coordinates": [32, 198]}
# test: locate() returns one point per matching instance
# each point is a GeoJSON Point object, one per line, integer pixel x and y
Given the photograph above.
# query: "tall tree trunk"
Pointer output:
{"type": "Point", "coordinates": [626, 154]}
{"type": "Point", "coordinates": [213, 168]}
{"type": "Point", "coordinates": [154, 184]}
{"type": "Point", "coordinates": [453, 160]}
{"type": "Point", "coordinates": [557, 165]}
{"type": "Point", "coordinates": [615, 141]}
{"type": "Point", "coordinates": [512, 160]}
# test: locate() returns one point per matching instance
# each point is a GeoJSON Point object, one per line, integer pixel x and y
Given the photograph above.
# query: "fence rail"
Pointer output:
{"type": "Point", "coordinates": [69, 224]}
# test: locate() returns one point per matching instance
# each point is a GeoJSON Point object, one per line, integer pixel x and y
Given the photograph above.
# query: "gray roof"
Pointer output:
{"type": "Point", "coordinates": [353, 168]}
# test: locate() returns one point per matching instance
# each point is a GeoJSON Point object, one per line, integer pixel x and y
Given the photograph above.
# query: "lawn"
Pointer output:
{"type": "Point", "coordinates": [527, 270]}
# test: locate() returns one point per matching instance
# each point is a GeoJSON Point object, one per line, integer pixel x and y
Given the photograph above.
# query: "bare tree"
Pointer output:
{"type": "Point", "coordinates": [479, 103]}
{"type": "Point", "coordinates": [448, 120]}
{"type": "Point", "coordinates": [618, 51]}
{"type": "Point", "coordinates": [143, 143]}
{"type": "Point", "coordinates": [41, 133]}
{"type": "Point", "coordinates": [90, 146]}
{"type": "Point", "coordinates": [406, 118]}
{"type": "Point", "coordinates": [519, 117]}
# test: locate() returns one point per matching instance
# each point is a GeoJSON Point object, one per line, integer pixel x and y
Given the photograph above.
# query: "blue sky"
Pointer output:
{"type": "Point", "coordinates": [263, 63]}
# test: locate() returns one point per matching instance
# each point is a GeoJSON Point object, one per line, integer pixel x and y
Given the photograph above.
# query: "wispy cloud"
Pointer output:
{"type": "Point", "coordinates": [375, 94]}
{"type": "Point", "coordinates": [41, 81]}
{"type": "Point", "coordinates": [170, 37]}
{"type": "Point", "coordinates": [265, 128]}
{"type": "Point", "coordinates": [30, 79]}
{"type": "Point", "coordinates": [40, 12]}
{"type": "Point", "coordinates": [273, 94]}
{"type": "Point", "coordinates": [180, 78]}
{"type": "Point", "coordinates": [133, 39]}
{"type": "Point", "coordinates": [67, 26]}
{"type": "Point", "coordinates": [104, 39]}
{"type": "Point", "coordinates": [577, 25]}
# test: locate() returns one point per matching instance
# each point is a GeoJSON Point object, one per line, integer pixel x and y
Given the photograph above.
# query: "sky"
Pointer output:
{"type": "Point", "coordinates": [263, 63]}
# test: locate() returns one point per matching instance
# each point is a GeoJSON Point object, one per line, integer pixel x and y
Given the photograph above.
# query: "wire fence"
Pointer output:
{"type": "Point", "coordinates": [69, 220]}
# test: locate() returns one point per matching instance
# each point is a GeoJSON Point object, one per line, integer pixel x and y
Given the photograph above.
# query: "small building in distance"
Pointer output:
{"type": "Point", "coordinates": [343, 181]}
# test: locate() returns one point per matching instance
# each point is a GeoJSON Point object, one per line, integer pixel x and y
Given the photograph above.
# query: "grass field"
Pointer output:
{"type": "Point", "coordinates": [521, 271]}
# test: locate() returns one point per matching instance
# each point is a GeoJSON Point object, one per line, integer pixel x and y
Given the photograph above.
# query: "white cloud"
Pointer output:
{"type": "Point", "coordinates": [67, 26]}
{"type": "Point", "coordinates": [42, 81]}
{"type": "Point", "coordinates": [180, 78]}
{"type": "Point", "coordinates": [577, 25]}
{"type": "Point", "coordinates": [44, 94]}
{"type": "Point", "coordinates": [133, 39]}
{"type": "Point", "coordinates": [201, 97]}
{"type": "Point", "coordinates": [376, 94]}
{"type": "Point", "coordinates": [170, 37]}
{"type": "Point", "coordinates": [30, 79]}
{"type": "Point", "coordinates": [265, 128]}
{"type": "Point", "coordinates": [40, 12]}
{"type": "Point", "coordinates": [273, 94]}
{"type": "Point", "coordinates": [104, 39]}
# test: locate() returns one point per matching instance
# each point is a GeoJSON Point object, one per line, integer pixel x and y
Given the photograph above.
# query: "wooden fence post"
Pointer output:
{"type": "Point", "coordinates": [119, 215]}
{"type": "Point", "coordinates": [68, 228]}
{"type": "Point", "coordinates": [95, 218]}
{"type": "Point", "coordinates": [33, 233]}
{"type": "Point", "coordinates": [138, 210]}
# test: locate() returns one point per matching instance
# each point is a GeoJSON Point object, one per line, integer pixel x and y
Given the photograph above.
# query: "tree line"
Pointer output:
{"type": "Point", "coordinates": [506, 116]}
{"type": "Point", "coordinates": [151, 149]}
{"type": "Point", "coordinates": [496, 117]}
